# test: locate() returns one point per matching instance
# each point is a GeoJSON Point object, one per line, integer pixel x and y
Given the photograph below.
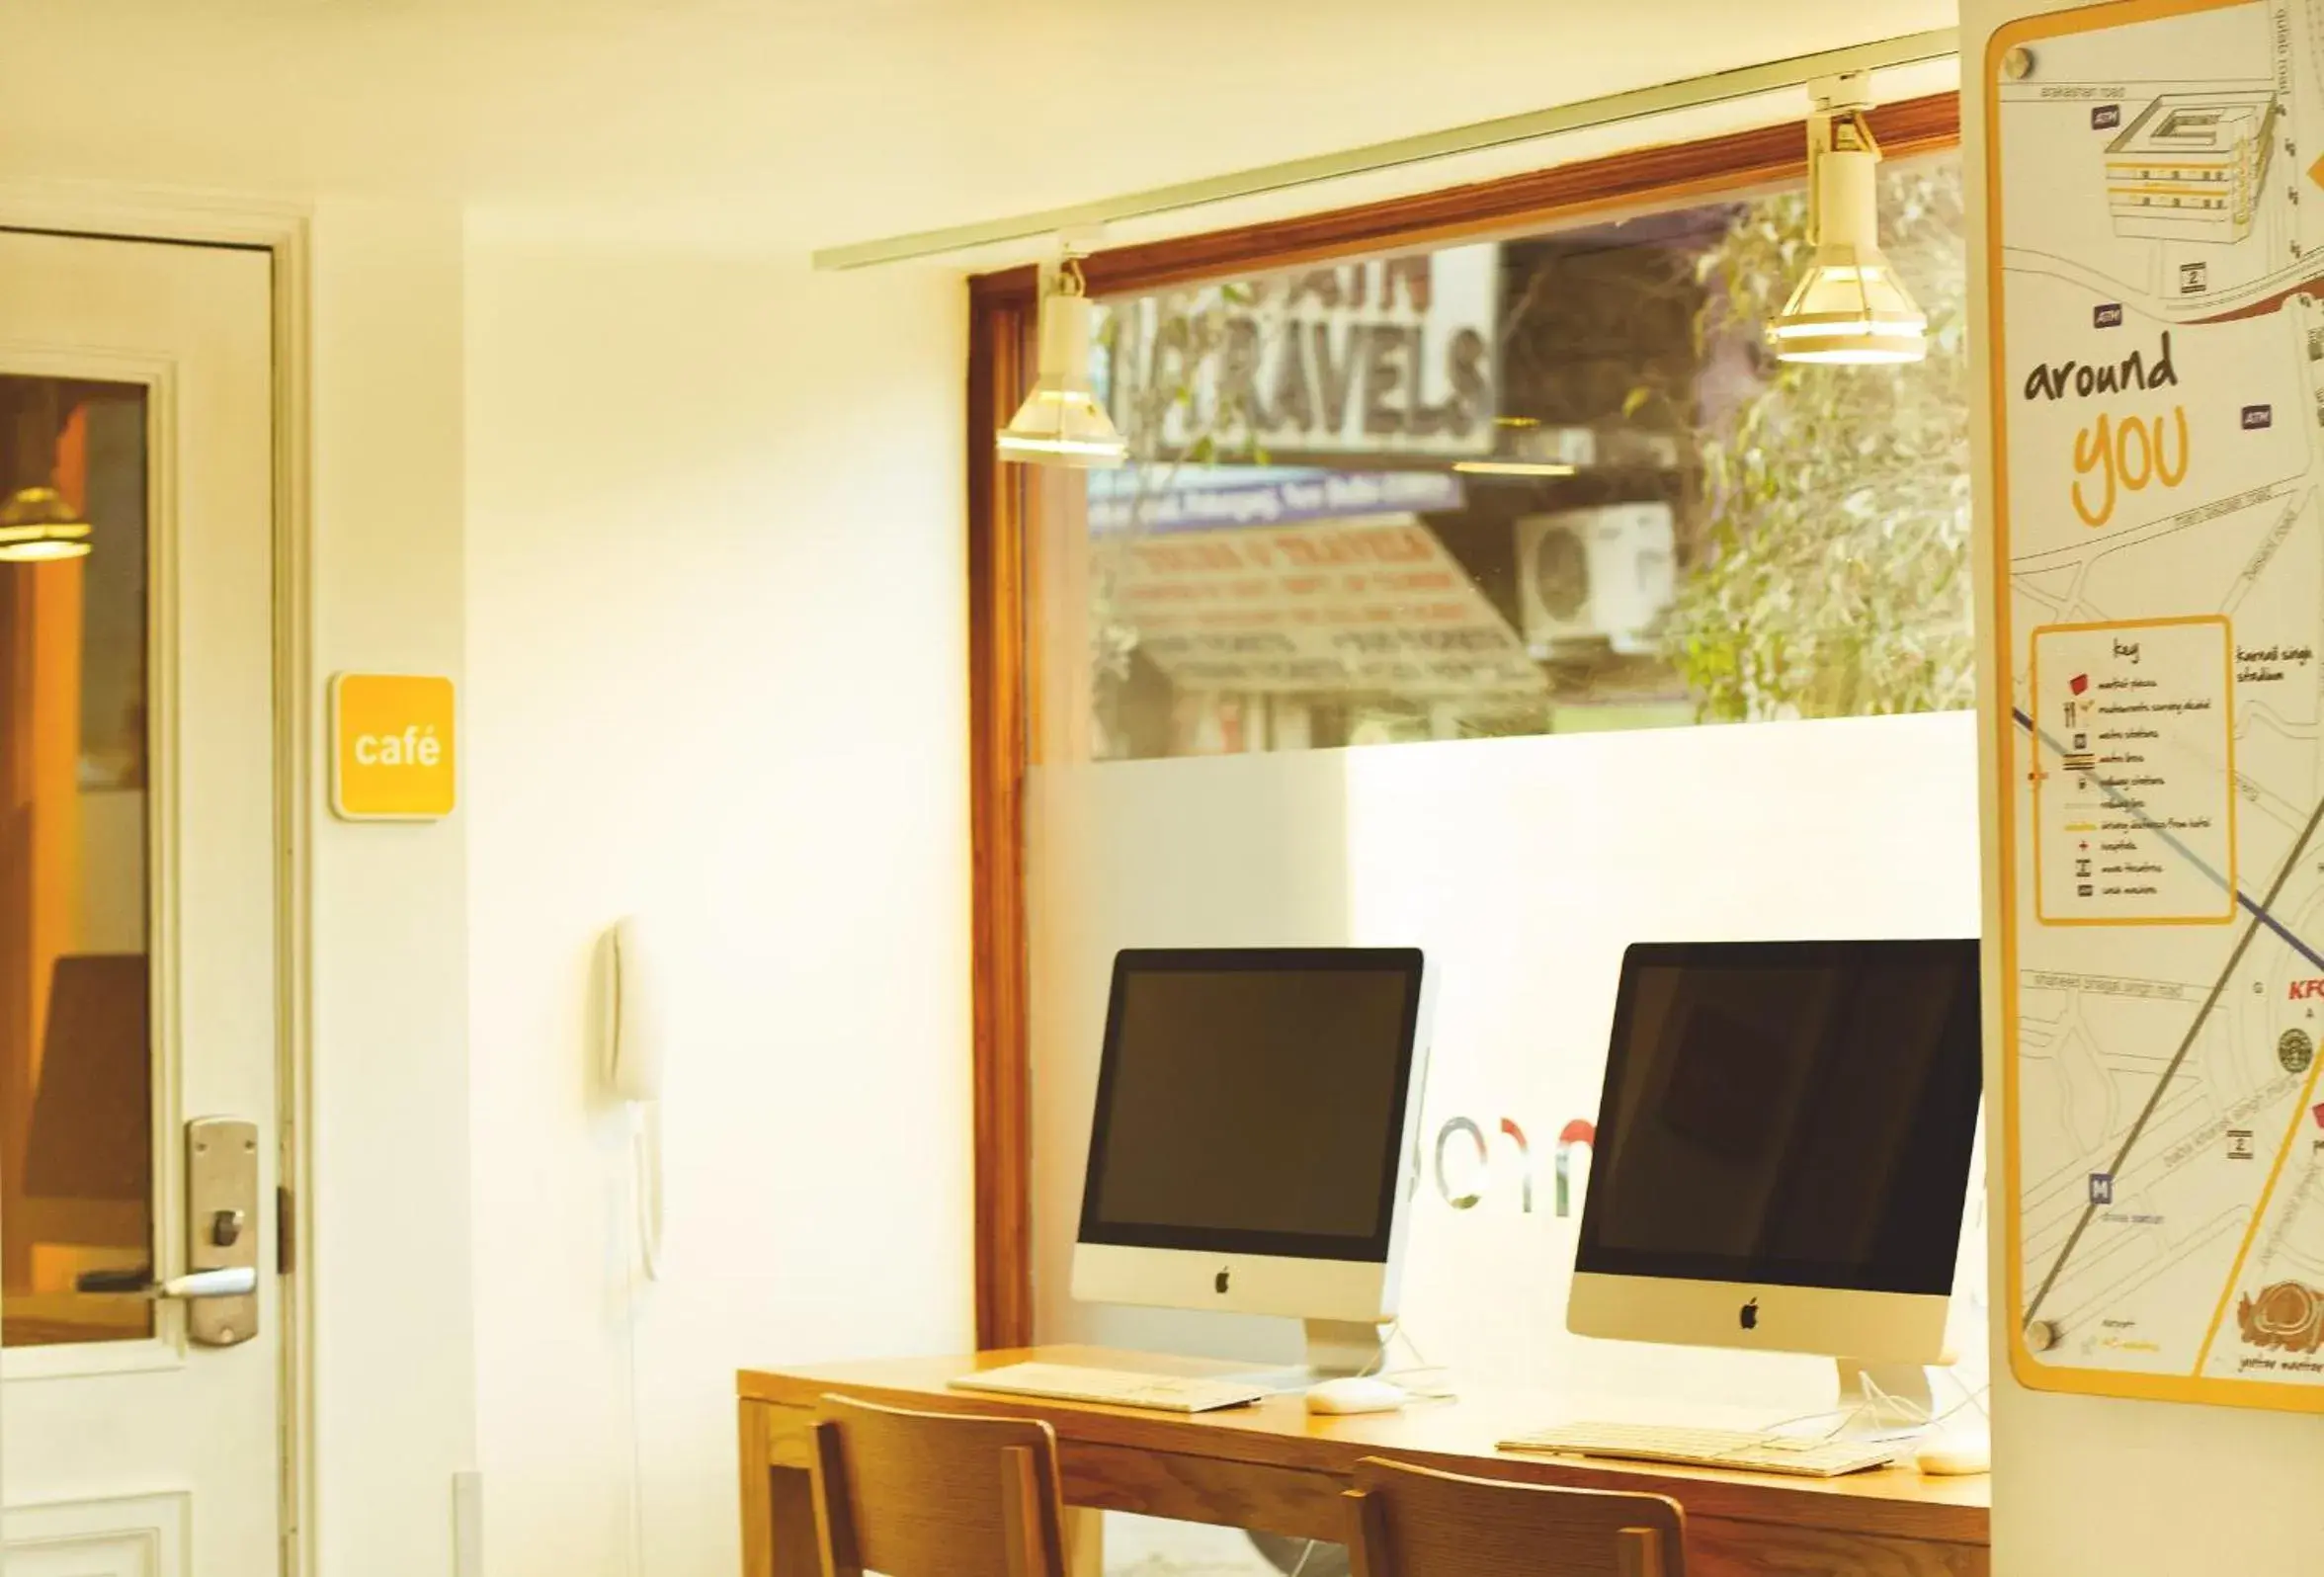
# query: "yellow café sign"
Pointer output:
{"type": "Point", "coordinates": [391, 756]}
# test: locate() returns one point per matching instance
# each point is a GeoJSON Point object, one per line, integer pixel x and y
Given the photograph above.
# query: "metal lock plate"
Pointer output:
{"type": "Point", "coordinates": [222, 1223]}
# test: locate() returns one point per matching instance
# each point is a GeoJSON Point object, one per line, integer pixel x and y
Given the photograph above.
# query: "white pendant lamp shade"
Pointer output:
{"type": "Point", "coordinates": [1850, 307]}
{"type": "Point", "coordinates": [1062, 422]}
{"type": "Point", "coordinates": [38, 526]}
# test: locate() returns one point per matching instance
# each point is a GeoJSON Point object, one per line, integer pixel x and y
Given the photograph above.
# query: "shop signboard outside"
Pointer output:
{"type": "Point", "coordinates": [1389, 355]}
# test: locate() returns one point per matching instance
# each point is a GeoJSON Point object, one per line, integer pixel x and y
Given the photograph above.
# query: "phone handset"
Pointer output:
{"type": "Point", "coordinates": [634, 1047]}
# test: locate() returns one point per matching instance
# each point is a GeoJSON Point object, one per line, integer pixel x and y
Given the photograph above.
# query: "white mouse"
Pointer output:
{"type": "Point", "coordinates": [1355, 1393]}
{"type": "Point", "coordinates": [1952, 1456]}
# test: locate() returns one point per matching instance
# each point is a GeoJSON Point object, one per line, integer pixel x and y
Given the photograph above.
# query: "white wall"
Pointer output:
{"type": "Point", "coordinates": [1524, 867]}
{"type": "Point", "coordinates": [767, 127]}
{"type": "Point", "coordinates": [717, 612]}
{"type": "Point", "coordinates": [2092, 1485]}
{"type": "Point", "coordinates": [388, 1259]}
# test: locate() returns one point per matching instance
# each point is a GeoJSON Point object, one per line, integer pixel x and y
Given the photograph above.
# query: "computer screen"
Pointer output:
{"type": "Point", "coordinates": [1794, 1114]}
{"type": "Point", "coordinates": [1252, 1101]}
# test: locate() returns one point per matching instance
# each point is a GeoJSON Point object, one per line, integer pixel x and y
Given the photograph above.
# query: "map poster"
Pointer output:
{"type": "Point", "coordinates": [2156, 261]}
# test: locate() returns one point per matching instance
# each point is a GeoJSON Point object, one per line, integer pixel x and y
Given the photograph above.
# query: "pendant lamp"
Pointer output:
{"type": "Point", "coordinates": [36, 525]}
{"type": "Point", "coordinates": [1850, 307]}
{"type": "Point", "coordinates": [1062, 422]}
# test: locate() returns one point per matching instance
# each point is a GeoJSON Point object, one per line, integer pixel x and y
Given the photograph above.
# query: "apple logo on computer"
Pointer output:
{"type": "Point", "coordinates": [1749, 1317]}
{"type": "Point", "coordinates": [1219, 1285]}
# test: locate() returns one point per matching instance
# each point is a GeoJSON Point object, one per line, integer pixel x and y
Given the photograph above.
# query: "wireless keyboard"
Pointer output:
{"type": "Point", "coordinates": [1114, 1387]}
{"type": "Point", "coordinates": [1805, 1457]}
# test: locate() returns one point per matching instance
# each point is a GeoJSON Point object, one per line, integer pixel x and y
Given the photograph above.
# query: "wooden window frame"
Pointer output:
{"type": "Point", "coordinates": [1002, 661]}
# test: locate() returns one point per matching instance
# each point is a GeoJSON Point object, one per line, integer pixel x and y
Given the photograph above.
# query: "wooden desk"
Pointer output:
{"type": "Point", "coordinates": [1277, 1468]}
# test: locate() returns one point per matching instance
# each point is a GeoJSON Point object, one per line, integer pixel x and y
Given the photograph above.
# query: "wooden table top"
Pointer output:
{"type": "Point", "coordinates": [1458, 1435]}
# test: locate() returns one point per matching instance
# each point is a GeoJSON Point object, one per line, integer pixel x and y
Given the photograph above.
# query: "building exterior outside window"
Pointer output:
{"type": "Point", "coordinates": [1544, 484]}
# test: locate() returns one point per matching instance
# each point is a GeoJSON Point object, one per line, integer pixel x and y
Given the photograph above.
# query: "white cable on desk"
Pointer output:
{"type": "Point", "coordinates": [1879, 1399]}
{"type": "Point", "coordinates": [1421, 1366]}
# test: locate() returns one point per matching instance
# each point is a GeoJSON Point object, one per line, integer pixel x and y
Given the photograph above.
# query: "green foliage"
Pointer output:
{"type": "Point", "coordinates": [1194, 328]}
{"type": "Point", "coordinates": [1831, 575]}
{"type": "Point", "coordinates": [1194, 331]}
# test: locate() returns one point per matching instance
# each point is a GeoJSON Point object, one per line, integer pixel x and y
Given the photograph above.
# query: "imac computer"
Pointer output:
{"type": "Point", "coordinates": [1256, 1109]}
{"type": "Point", "coordinates": [1783, 1150]}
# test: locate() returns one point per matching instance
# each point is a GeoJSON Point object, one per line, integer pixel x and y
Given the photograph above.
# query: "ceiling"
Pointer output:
{"type": "Point", "coordinates": [807, 123]}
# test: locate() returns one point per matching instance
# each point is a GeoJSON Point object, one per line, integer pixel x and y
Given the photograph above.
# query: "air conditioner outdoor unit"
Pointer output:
{"type": "Point", "coordinates": [1587, 576]}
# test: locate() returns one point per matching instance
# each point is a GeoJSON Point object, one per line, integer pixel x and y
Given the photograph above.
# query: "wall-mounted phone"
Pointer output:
{"type": "Point", "coordinates": [633, 1048]}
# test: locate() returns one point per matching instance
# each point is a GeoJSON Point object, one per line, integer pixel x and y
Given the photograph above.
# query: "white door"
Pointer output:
{"type": "Point", "coordinates": [137, 909]}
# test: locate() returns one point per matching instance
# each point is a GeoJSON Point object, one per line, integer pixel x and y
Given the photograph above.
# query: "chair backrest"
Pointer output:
{"type": "Point", "coordinates": [1415, 1522]}
{"type": "Point", "coordinates": [910, 1494]}
{"type": "Point", "coordinates": [92, 1122]}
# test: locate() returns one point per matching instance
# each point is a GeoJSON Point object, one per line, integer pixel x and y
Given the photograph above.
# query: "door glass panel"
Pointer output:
{"type": "Point", "coordinates": [76, 1141]}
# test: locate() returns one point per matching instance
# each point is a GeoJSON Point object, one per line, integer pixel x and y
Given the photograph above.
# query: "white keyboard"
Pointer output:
{"type": "Point", "coordinates": [1807, 1457]}
{"type": "Point", "coordinates": [1115, 1387]}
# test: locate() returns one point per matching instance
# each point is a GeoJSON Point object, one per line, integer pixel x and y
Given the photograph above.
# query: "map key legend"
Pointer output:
{"type": "Point", "coordinates": [2145, 773]}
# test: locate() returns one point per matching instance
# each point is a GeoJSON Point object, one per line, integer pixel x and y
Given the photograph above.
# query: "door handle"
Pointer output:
{"type": "Point", "coordinates": [235, 1280]}
{"type": "Point", "coordinates": [219, 1286]}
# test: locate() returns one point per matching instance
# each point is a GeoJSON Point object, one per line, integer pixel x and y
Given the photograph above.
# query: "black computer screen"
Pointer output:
{"type": "Point", "coordinates": [1252, 1100]}
{"type": "Point", "coordinates": [1793, 1114]}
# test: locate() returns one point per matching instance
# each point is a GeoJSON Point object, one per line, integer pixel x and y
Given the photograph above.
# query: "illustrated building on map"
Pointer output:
{"type": "Point", "coordinates": [2189, 168]}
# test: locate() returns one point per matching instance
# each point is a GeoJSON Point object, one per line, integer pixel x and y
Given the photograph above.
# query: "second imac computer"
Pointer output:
{"type": "Point", "coordinates": [1783, 1151]}
{"type": "Point", "coordinates": [1254, 1111]}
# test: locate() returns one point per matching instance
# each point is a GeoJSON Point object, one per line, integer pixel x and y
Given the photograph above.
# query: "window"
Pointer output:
{"type": "Point", "coordinates": [75, 1064]}
{"type": "Point", "coordinates": [1508, 459]}
{"type": "Point", "coordinates": [1542, 485]}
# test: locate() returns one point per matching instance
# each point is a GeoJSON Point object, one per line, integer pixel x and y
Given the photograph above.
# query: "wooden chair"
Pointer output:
{"type": "Point", "coordinates": [910, 1494]}
{"type": "Point", "coordinates": [1415, 1522]}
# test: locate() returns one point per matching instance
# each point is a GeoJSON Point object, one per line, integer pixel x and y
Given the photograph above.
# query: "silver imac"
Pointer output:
{"type": "Point", "coordinates": [1256, 1109]}
{"type": "Point", "coordinates": [1783, 1150]}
